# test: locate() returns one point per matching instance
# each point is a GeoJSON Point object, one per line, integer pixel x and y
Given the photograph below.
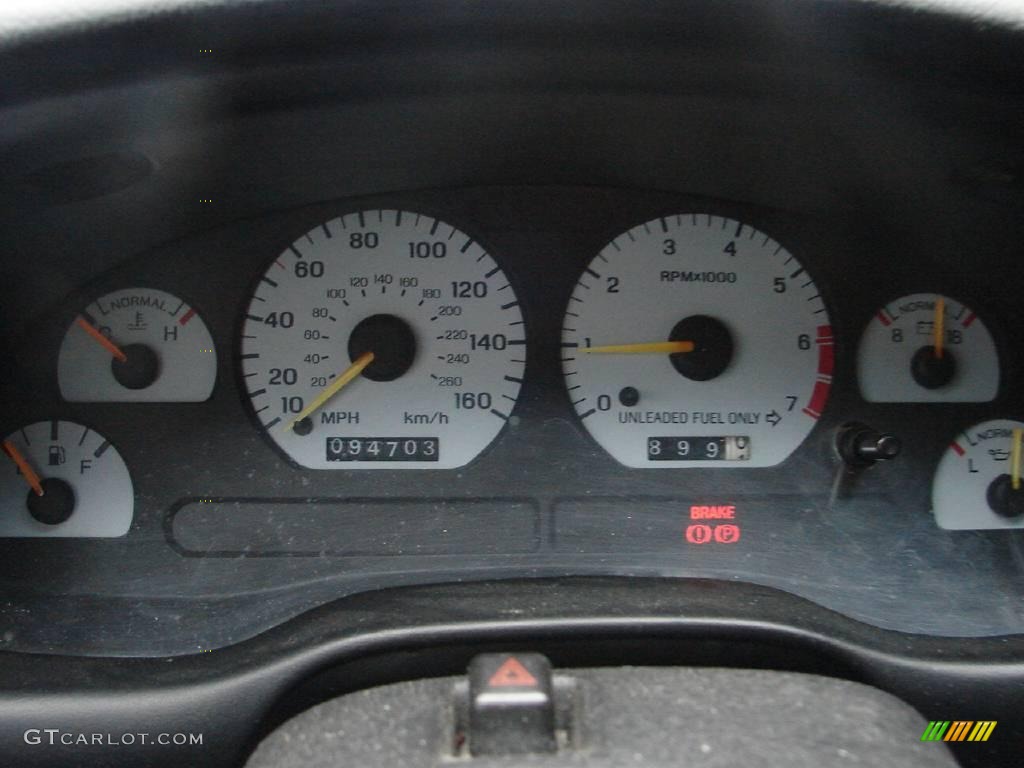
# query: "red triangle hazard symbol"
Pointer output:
{"type": "Point", "coordinates": [510, 673]}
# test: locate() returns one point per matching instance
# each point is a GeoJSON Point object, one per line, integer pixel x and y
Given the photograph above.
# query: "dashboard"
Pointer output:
{"type": "Point", "coordinates": [495, 433]}
{"type": "Point", "coordinates": [429, 315]}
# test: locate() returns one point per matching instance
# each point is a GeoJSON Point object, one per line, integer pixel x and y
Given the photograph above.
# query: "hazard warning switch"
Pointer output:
{"type": "Point", "coordinates": [511, 704]}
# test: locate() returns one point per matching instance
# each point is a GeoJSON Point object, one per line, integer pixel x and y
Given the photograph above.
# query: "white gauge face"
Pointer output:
{"type": "Point", "coordinates": [898, 361]}
{"type": "Point", "coordinates": [974, 485]}
{"type": "Point", "coordinates": [757, 376]}
{"type": "Point", "coordinates": [86, 489]}
{"type": "Point", "coordinates": [167, 353]}
{"type": "Point", "coordinates": [439, 318]}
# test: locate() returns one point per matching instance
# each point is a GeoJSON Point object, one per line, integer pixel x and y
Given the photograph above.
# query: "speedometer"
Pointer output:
{"type": "Point", "coordinates": [697, 341]}
{"type": "Point", "coordinates": [383, 339]}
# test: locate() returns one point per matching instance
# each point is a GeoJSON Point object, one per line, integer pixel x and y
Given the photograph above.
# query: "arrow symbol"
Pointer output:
{"type": "Point", "coordinates": [773, 418]}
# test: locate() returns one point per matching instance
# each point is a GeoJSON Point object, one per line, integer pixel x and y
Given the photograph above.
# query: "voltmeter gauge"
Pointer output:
{"type": "Point", "coordinates": [63, 480]}
{"type": "Point", "coordinates": [927, 348]}
{"type": "Point", "coordinates": [978, 483]}
{"type": "Point", "coordinates": [697, 341]}
{"type": "Point", "coordinates": [137, 345]}
{"type": "Point", "coordinates": [383, 340]}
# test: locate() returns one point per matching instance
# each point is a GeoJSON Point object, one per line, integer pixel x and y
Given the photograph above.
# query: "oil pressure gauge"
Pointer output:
{"type": "Point", "coordinates": [137, 345]}
{"type": "Point", "coordinates": [978, 483]}
{"type": "Point", "coordinates": [927, 348]}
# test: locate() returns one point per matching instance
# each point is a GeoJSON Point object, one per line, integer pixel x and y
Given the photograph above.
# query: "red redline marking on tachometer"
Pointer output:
{"type": "Point", "coordinates": [826, 351]}
{"type": "Point", "coordinates": [883, 317]}
{"type": "Point", "coordinates": [968, 320]}
{"type": "Point", "coordinates": [956, 447]}
{"type": "Point", "coordinates": [819, 396]}
{"type": "Point", "coordinates": [826, 364]}
{"type": "Point", "coordinates": [826, 360]}
{"type": "Point", "coordinates": [279, 264]}
{"type": "Point", "coordinates": [186, 317]}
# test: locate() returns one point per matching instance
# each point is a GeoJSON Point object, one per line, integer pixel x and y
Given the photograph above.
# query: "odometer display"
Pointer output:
{"type": "Point", "coordinates": [426, 302]}
{"type": "Point", "coordinates": [382, 448]}
{"type": "Point", "coordinates": [703, 327]}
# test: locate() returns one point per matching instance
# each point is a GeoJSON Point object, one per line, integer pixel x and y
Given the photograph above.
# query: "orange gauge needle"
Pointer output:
{"type": "Point", "coordinates": [1015, 466]}
{"type": "Point", "coordinates": [938, 327]}
{"type": "Point", "coordinates": [654, 348]}
{"type": "Point", "coordinates": [334, 387]}
{"type": "Point", "coordinates": [102, 340]}
{"type": "Point", "coordinates": [26, 469]}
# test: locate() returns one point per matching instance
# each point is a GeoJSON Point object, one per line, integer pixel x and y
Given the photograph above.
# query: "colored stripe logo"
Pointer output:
{"type": "Point", "coordinates": [959, 730]}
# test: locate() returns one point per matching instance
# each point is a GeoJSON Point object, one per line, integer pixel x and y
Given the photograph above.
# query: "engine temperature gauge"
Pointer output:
{"type": "Point", "coordinates": [978, 483]}
{"type": "Point", "coordinates": [137, 345]}
{"type": "Point", "coordinates": [926, 348]}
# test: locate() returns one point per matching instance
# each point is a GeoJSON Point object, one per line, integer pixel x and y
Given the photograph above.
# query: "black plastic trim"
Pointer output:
{"type": "Point", "coordinates": [235, 695]}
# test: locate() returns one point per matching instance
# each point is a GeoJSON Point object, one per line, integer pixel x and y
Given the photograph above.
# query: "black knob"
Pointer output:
{"type": "Point", "coordinates": [712, 347]}
{"type": "Point", "coordinates": [392, 342]}
{"type": "Point", "coordinates": [1003, 499]}
{"type": "Point", "coordinates": [139, 369]}
{"type": "Point", "coordinates": [930, 371]}
{"type": "Point", "coordinates": [55, 505]}
{"type": "Point", "coordinates": [862, 446]}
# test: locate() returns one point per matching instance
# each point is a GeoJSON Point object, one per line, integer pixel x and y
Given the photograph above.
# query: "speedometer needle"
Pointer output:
{"type": "Point", "coordinates": [25, 468]}
{"type": "Point", "coordinates": [653, 348]}
{"type": "Point", "coordinates": [102, 340]}
{"type": "Point", "coordinates": [334, 387]}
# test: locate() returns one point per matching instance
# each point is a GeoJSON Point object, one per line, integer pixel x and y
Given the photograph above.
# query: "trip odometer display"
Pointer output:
{"type": "Point", "coordinates": [697, 341]}
{"type": "Point", "coordinates": [383, 339]}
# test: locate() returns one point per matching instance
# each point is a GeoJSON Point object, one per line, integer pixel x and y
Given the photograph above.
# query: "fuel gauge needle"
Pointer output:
{"type": "Point", "coordinates": [653, 348]}
{"type": "Point", "coordinates": [1015, 461]}
{"type": "Point", "coordinates": [334, 387]}
{"type": "Point", "coordinates": [26, 469]}
{"type": "Point", "coordinates": [102, 340]}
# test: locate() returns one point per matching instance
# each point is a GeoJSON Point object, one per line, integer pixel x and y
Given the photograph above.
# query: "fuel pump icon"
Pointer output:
{"type": "Point", "coordinates": [56, 456]}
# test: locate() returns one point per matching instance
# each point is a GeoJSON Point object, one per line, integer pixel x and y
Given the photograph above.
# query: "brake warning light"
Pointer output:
{"type": "Point", "coordinates": [719, 533]}
{"type": "Point", "coordinates": [698, 534]}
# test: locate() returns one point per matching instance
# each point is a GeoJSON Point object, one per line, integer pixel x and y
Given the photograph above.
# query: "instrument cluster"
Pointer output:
{"type": "Point", "coordinates": [397, 380]}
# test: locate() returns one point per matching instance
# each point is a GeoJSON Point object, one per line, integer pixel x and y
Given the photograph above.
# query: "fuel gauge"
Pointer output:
{"type": "Point", "coordinates": [137, 345]}
{"type": "Point", "coordinates": [63, 480]}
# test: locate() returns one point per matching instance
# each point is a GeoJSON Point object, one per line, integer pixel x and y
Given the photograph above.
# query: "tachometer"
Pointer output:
{"type": "Point", "coordinates": [383, 339]}
{"type": "Point", "coordinates": [697, 341]}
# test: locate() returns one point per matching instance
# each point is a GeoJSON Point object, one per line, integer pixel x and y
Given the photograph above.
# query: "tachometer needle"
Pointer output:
{"type": "Point", "coordinates": [1015, 462]}
{"type": "Point", "coordinates": [102, 340]}
{"type": "Point", "coordinates": [26, 469]}
{"type": "Point", "coordinates": [938, 327]}
{"type": "Point", "coordinates": [334, 387]}
{"type": "Point", "coordinates": [653, 348]}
